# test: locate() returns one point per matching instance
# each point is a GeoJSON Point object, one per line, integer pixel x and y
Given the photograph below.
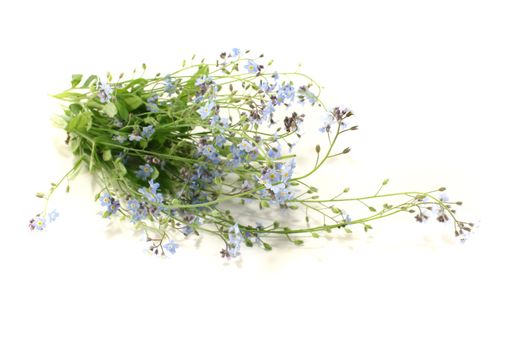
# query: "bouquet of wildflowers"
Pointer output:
{"type": "Point", "coordinates": [172, 153]}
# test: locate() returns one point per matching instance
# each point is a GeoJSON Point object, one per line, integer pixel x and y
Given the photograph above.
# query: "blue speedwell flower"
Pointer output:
{"type": "Point", "coordinates": [111, 204]}
{"type": "Point", "coordinates": [113, 207]}
{"type": "Point", "coordinates": [275, 151]}
{"type": "Point", "coordinates": [151, 194]}
{"type": "Point", "coordinates": [151, 104]}
{"type": "Point", "coordinates": [203, 80]}
{"type": "Point", "coordinates": [328, 122]}
{"type": "Point", "coordinates": [119, 138]}
{"type": "Point", "coordinates": [134, 136]}
{"type": "Point", "coordinates": [234, 241]}
{"type": "Point", "coordinates": [235, 52]}
{"type": "Point", "coordinates": [220, 140]}
{"type": "Point", "coordinates": [287, 170]}
{"type": "Point", "coordinates": [148, 131]}
{"type": "Point", "coordinates": [105, 199]}
{"type": "Point", "coordinates": [210, 152]}
{"type": "Point", "coordinates": [171, 247]}
{"type": "Point", "coordinates": [206, 110]}
{"type": "Point", "coordinates": [186, 230]}
{"type": "Point", "coordinates": [285, 94]}
{"type": "Point", "coordinates": [169, 87]}
{"type": "Point", "coordinates": [247, 146]}
{"type": "Point", "coordinates": [252, 67]}
{"type": "Point", "coordinates": [138, 210]}
{"type": "Point", "coordinates": [104, 92]}
{"type": "Point", "coordinates": [144, 171]}
{"type": "Point", "coordinates": [38, 223]}
{"type": "Point", "coordinates": [52, 216]}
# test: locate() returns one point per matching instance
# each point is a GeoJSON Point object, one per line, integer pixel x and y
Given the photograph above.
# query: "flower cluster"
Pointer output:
{"type": "Point", "coordinates": [172, 150]}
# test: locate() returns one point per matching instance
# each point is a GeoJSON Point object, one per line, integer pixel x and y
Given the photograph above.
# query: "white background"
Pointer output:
{"type": "Point", "coordinates": [438, 91]}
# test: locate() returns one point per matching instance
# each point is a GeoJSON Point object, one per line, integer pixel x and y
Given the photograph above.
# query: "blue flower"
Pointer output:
{"type": "Point", "coordinates": [275, 151]}
{"type": "Point", "coordinates": [38, 223]}
{"type": "Point", "coordinates": [151, 193]}
{"type": "Point", "coordinates": [171, 247]}
{"type": "Point", "coordinates": [235, 52]}
{"type": "Point", "coordinates": [134, 136]}
{"type": "Point", "coordinates": [147, 131]}
{"type": "Point", "coordinates": [154, 186]}
{"type": "Point", "coordinates": [327, 124]}
{"type": "Point", "coordinates": [138, 211]}
{"type": "Point", "coordinates": [203, 80]}
{"type": "Point", "coordinates": [105, 199]}
{"type": "Point", "coordinates": [151, 104]}
{"type": "Point", "coordinates": [252, 67]}
{"type": "Point", "coordinates": [133, 204]}
{"type": "Point", "coordinates": [118, 123]}
{"type": "Point", "coordinates": [211, 153]}
{"type": "Point", "coordinates": [220, 140]}
{"type": "Point", "coordinates": [234, 241]}
{"type": "Point", "coordinates": [269, 177]}
{"type": "Point", "coordinates": [285, 93]}
{"type": "Point", "coordinates": [206, 110]}
{"type": "Point", "coordinates": [246, 146]}
{"type": "Point", "coordinates": [287, 170]}
{"type": "Point", "coordinates": [145, 171]}
{"type": "Point", "coordinates": [268, 110]}
{"type": "Point", "coordinates": [281, 193]}
{"type": "Point", "coordinates": [186, 230]}
{"type": "Point", "coordinates": [53, 215]}
{"type": "Point", "coordinates": [113, 207]}
{"type": "Point", "coordinates": [169, 86]}
{"type": "Point", "coordinates": [119, 138]}
{"type": "Point", "coordinates": [265, 87]}
{"type": "Point", "coordinates": [104, 92]}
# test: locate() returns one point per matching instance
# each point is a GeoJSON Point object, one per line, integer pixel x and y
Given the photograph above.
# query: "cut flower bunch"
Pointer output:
{"type": "Point", "coordinates": [170, 152]}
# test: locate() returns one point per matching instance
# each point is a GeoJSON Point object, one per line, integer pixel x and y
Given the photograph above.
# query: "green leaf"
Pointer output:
{"type": "Point", "coordinates": [336, 210]}
{"type": "Point", "coordinates": [155, 174]}
{"type": "Point", "coordinates": [136, 84]}
{"type": "Point", "coordinates": [267, 246]}
{"type": "Point", "coordinates": [122, 110]}
{"type": "Point", "coordinates": [59, 122]}
{"type": "Point", "coordinates": [110, 109]}
{"type": "Point", "coordinates": [92, 157]}
{"type": "Point", "coordinates": [75, 79]}
{"type": "Point", "coordinates": [132, 102]}
{"type": "Point", "coordinates": [150, 120]}
{"type": "Point", "coordinates": [75, 144]}
{"type": "Point", "coordinates": [106, 155]}
{"type": "Point", "coordinates": [75, 108]}
{"type": "Point", "coordinates": [121, 169]}
{"type": "Point", "coordinates": [80, 122]}
{"type": "Point", "coordinates": [88, 81]}
{"type": "Point", "coordinates": [298, 242]}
